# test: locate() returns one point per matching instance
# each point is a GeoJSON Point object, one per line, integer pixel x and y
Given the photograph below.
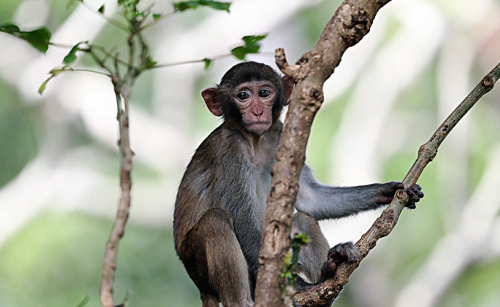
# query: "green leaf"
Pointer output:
{"type": "Point", "coordinates": [39, 38]}
{"type": "Point", "coordinates": [9, 28]}
{"type": "Point", "coordinates": [251, 46]}
{"type": "Point", "coordinates": [301, 239]}
{"type": "Point", "coordinates": [157, 16]}
{"type": "Point", "coordinates": [288, 258]}
{"type": "Point", "coordinates": [216, 5]}
{"type": "Point", "coordinates": [207, 63]}
{"type": "Point", "coordinates": [101, 9]}
{"type": "Point", "coordinates": [53, 73]}
{"type": "Point", "coordinates": [252, 39]}
{"type": "Point", "coordinates": [150, 63]}
{"type": "Point", "coordinates": [239, 52]}
{"type": "Point", "coordinates": [44, 84]}
{"type": "Point", "coordinates": [71, 56]}
{"type": "Point", "coordinates": [186, 5]}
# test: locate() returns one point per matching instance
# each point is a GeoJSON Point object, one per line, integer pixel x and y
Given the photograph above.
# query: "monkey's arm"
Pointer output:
{"type": "Point", "coordinates": [328, 202]}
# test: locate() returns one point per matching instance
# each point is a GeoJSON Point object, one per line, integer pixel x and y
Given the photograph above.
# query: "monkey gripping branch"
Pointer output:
{"type": "Point", "coordinates": [349, 24]}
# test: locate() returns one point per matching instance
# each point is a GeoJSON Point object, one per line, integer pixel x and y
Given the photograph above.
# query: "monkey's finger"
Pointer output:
{"type": "Point", "coordinates": [383, 199]}
{"type": "Point", "coordinates": [415, 192]}
{"type": "Point", "coordinates": [391, 187]}
{"type": "Point", "coordinates": [415, 188]}
{"type": "Point", "coordinates": [411, 205]}
{"type": "Point", "coordinates": [416, 197]}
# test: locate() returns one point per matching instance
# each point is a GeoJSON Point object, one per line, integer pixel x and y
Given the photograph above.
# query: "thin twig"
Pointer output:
{"type": "Point", "coordinates": [192, 61]}
{"type": "Point", "coordinates": [60, 45]}
{"type": "Point", "coordinates": [91, 71]}
{"type": "Point", "coordinates": [109, 54]}
{"type": "Point", "coordinates": [108, 19]}
{"type": "Point", "coordinates": [154, 22]}
{"type": "Point", "coordinates": [98, 60]}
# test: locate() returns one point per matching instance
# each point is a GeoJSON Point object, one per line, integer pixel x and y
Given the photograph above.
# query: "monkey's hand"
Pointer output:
{"type": "Point", "coordinates": [415, 193]}
{"type": "Point", "coordinates": [388, 190]}
{"type": "Point", "coordinates": [337, 254]}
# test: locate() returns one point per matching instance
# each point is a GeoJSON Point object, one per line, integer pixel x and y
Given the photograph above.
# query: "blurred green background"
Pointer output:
{"type": "Point", "coordinates": [59, 163]}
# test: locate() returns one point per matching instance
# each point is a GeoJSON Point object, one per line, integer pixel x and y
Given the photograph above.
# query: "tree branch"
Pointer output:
{"type": "Point", "coordinates": [386, 222]}
{"type": "Point", "coordinates": [349, 24]}
{"type": "Point", "coordinates": [126, 154]}
{"type": "Point", "coordinates": [123, 90]}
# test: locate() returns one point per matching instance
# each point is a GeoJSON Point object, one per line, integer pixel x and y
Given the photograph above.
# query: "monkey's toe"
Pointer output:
{"type": "Point", "coordinates": [344, 252]}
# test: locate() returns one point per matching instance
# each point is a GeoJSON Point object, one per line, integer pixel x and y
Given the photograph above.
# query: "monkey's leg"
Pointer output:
{"type": "Point", "coordinates": [314, 254]}
{"type": "Point", "coordinates": [214, 261]}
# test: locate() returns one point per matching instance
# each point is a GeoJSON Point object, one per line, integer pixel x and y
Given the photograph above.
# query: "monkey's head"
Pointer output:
{"type": "Point", "coordinates": [250, 97]}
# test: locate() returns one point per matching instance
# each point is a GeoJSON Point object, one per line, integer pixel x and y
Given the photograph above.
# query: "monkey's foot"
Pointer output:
{"type": "Point", "coordinates": [340, 253]}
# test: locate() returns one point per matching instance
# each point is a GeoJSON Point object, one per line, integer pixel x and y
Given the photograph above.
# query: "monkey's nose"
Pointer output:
{"type": "Point", "coordinates": [257, 111]}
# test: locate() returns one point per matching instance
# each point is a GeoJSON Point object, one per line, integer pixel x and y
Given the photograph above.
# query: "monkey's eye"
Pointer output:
{"type": "Point", "coordinates": [264, 93]}
{"type": "Point", "coordinates": [242, 96]}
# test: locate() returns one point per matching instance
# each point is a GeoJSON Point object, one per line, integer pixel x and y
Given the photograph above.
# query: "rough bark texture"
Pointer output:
{"type": "Point", "coordinates": [329, 290]}
{"type": "Point", "coordinates": [349, 24]}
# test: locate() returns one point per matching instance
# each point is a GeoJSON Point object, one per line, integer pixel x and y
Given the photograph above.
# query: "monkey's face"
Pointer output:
{"type": "Point", "coordinates": [255, 100]}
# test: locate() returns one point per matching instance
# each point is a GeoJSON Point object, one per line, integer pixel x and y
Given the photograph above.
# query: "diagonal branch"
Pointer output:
{"type": "Point", "coordinates": [386, 222]}
{"type": "Point", "coordinates": [350, 23]}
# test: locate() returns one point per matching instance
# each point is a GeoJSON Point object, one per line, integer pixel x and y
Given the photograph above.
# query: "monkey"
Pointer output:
{"type": "Point", "coordinates": [221, 201]}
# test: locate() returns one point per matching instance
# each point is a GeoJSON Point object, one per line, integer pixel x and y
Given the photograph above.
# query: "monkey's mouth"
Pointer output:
{"type": "Point", "coordinates": [259, 127]}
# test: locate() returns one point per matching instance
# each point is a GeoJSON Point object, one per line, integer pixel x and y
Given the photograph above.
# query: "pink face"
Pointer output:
{"type": "Point", "coordinates": [255, 102]}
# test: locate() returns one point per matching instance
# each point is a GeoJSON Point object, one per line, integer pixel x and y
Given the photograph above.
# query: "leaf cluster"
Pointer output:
{"type": "Point", "coordinates": [130, 11]}
{"type": "Point", "coordinates": [135, 23]}
{"type": "Point", "coordinates": [251, 46]}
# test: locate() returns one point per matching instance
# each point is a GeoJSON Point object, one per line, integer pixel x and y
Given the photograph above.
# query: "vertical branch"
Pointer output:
{"type": "Point", "coordinates": [123, 89]}
{"type": "Point", "coordinates": [126, 155]}
{"type": "Point", "coordinates": [350, 23]}
{"type": "Point", "coordinates": [131, 48]}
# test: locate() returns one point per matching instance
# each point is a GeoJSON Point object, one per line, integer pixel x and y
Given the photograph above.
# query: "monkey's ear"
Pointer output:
{"type": "Point", "coordinates": [213, 104]}
{"type": "Point", "coordinates": [288, 83]}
